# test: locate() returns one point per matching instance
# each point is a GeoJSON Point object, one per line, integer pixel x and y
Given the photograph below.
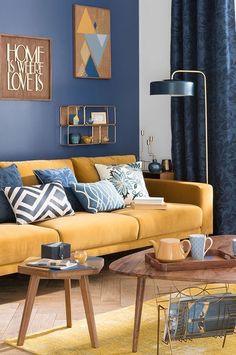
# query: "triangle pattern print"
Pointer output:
{"type": "Point", "coordinates": [90, 69]}
{"type": "Point", "coordinates": [37, 203]}
{"type": "Point", "coordinates": [97, 46]}
{"type": "Point", "coordinates": [86, 25]}
{"type": "Point", "coordinates": [102, 39]}
{"type": "Point", "coordinates": [85, 53]}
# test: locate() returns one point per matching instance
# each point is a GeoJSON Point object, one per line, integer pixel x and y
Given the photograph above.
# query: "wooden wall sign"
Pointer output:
{"type": "Point", "coordinates": [92, 42]}
{"type": "Point", "coordinates": [25, 68]}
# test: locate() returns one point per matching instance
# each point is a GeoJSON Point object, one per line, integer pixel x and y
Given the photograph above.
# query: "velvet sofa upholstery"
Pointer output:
{"type": "Point", "coordinates": [189, 210]}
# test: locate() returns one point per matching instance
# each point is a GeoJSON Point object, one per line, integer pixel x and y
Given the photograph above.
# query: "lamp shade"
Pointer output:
{"type": "Point", "coordinates": [172, 88]}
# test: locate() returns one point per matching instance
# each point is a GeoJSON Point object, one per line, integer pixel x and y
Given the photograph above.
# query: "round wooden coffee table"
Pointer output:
{"type": "Point", "coordinates": [135, 265]}
{"type": "Point", "coordinates": [36, 273]}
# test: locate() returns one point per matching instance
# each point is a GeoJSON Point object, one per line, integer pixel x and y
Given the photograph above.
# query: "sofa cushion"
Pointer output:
{"type": "Point", "coordinates": [37, 203]}
{"type": "Point", "coordinates": [66, 177]}
{"type": "Point", "coordinates": [20, 242]}
{"type": "Point", "coordinates": [85, 170]}
{"type": "Point", "coordinates": [63, 175]}
{"type": "Point", "coordinates": [98, 196]}
{"type": "Point", "coordinates": [9, 176]}
{"type": "Point", "coordinates": [86, 230]}
{"type": "Point", "coordinates": [126, 178]}
{"type": "Point", "coordinates": [175, 218]}
{"type": "Point", "coordinates": [26, 168]}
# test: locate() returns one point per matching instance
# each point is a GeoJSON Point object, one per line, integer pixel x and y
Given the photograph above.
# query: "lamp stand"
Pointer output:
{"type": "Point", "coordinates": [205, 109]}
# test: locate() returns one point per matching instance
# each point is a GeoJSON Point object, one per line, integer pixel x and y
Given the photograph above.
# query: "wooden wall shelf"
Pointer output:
{"type": "Point", "coordinates": [75, 120]}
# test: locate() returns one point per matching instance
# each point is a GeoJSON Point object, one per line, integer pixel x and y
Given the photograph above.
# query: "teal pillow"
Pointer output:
{"type": "Point", "coordinates": [9, 176]}
{"type": "Point", "coordinates": [66, 177]}
{"type": "Point", "coordinates": [99, 196]}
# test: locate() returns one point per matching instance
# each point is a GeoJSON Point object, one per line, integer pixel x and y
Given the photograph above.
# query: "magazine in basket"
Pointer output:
{"type": "Point", "coordinates": [200, 316]}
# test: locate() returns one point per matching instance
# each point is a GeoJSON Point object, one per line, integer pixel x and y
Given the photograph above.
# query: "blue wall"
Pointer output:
{"type": "Point", "coordinates": [30, 129]}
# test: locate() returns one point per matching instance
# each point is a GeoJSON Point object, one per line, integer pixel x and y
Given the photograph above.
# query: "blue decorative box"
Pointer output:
{"type": "Point", "coordinates": [55, 251]}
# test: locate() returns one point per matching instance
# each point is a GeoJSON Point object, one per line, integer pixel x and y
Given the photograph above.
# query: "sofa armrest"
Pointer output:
{"type": "Point", "coordinates": [194, 193]}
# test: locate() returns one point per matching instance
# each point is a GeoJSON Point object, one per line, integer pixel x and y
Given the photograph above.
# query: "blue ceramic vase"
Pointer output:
{"type": "Point", "coordinates": [154, 167]}
{"type": "Point", "coordinates": [74, 138]}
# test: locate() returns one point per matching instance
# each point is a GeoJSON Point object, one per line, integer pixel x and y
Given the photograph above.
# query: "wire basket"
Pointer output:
{"type": "Point", "coordinates": [202, 311]}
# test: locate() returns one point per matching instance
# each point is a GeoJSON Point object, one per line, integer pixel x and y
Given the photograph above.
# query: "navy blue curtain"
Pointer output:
{"type": "Point", "coordinates": [203, 38]}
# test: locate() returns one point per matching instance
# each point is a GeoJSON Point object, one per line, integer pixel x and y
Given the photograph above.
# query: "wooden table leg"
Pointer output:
{"type": "Point", "coordinates": [67, 285]}
{"type": "Point", "coordinates": [88, 307]}
{"type": "Point", "coordinates": [29, 301]}
{"type": "Point", "coordinates": [138, 311]}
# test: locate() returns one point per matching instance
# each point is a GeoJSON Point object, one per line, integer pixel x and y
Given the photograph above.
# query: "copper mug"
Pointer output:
{"type": "Point", "coordinates": [166, 165]}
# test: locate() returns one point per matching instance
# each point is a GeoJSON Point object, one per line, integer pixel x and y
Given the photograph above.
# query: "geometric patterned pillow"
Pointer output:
{"type": "Point", "coordinates": [98, 196]}
{"type": "Point", "coordinates": [37, 203]}
{"type": "Point", "coordinates": [127, 179]}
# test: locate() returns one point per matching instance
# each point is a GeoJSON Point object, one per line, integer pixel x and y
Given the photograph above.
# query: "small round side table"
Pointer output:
{"type": "Point", "coordinates": [95, 265]}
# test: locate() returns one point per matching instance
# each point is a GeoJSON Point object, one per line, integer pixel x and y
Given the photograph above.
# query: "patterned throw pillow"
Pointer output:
{"type": "Point", "coordinates": [127, 179]}
{"type": "Point", "coordinates": [9, 176]}
{"type": "Point", "coordinates": [62, 175]}
{"type": "Point", "coordinates": [37, 203]}
{"type": "Point", "coordinates": [99, 196]}
{"type": "Point", "coordinates": [66, 177]}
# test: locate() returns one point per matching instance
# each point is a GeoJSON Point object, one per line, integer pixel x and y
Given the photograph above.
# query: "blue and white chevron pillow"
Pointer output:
{"type": "Point", "coordinates": [37, 203]}
{"type": "Point", "coordinates": [99, 196]}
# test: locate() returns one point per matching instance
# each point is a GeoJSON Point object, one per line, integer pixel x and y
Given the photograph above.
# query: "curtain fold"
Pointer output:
{"type": "Point", "coordinates": [203, 38]}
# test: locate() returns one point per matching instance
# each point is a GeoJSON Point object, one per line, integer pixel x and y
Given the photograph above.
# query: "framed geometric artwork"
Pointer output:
{"type": "Point", "coordinates": [92, 42]}
{"type": "Point", "coordinates": [25, 68]}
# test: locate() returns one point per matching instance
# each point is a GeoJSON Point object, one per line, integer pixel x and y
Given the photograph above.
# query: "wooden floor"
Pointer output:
{"type": "Point", "coordinates": [109, 292]}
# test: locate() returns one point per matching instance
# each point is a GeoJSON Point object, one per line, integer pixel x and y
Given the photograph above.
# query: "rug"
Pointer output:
{"type": "Point", "coordinates": [115, 337]}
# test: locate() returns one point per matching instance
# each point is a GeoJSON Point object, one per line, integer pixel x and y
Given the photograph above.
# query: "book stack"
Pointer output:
{"type": "Point", "coordinates": [149, 203]}
{"type": "Point", "coordinates": [52, 264]}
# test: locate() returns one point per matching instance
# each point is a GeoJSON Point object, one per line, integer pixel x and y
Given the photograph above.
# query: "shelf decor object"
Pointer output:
{"type": "Point", "coordinates": [97, 125]}
{"type": "Point", "coordinates": [183, 88]}
{"type": "Point", "coordinates": [92, 42]}
{"type": "Point", "coordinates": [25, 68]}
{"type": "Point", "coordinates": [99, 117]}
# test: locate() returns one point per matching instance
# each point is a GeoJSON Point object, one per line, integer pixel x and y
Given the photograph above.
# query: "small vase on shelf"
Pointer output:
{"type": "Point", "coordinates": [154, 167]}
{"type": "Point", "coordinates": [74, 138]}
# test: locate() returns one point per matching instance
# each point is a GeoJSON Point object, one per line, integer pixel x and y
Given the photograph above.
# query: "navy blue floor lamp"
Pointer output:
{"type": "Point", "coordinates": [183, 88]}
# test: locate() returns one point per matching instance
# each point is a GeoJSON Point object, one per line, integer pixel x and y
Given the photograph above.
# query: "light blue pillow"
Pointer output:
{"type": "Point", "coordinates": [99, 196]}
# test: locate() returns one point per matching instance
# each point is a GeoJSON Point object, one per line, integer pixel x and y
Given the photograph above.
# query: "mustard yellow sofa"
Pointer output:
{"type": "Point", "coordinates": [189, 210]}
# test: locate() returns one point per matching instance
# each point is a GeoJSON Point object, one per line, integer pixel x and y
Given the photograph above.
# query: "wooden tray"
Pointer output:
{"type": "Point", "coordinates": [214, 259]}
